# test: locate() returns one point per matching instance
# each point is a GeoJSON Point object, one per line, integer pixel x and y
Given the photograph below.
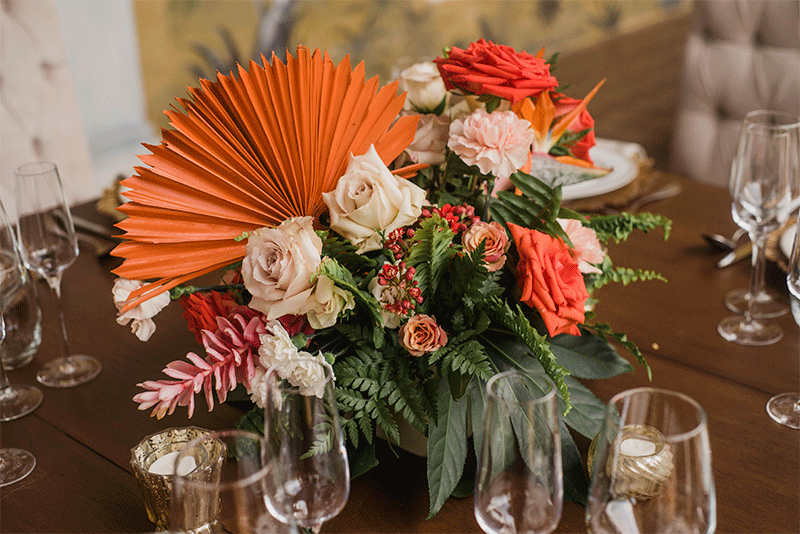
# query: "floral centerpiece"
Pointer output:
{"type": "Point", "coordinates": [400, 238]}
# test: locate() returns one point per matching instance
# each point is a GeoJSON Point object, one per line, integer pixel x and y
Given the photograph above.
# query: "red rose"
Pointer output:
{"type": "Point", "coordinates": [550, 280]}
{"type": "Point", "coordinates": [421, 334]}
{"type": "Point", "coordinates": [202, 309]}
{"type": "Point", "coordinates": [488, 68]}
{"type": "Point", "coordinates": [564, 105]}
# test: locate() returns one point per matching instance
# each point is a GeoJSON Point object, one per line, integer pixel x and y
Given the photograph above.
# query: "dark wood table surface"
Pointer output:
{"type": "Point", "coordinates": [82, 436]}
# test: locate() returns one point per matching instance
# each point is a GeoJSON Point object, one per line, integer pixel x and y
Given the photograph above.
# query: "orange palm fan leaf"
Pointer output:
{"type": "Point", "coordinates": [247, 152]}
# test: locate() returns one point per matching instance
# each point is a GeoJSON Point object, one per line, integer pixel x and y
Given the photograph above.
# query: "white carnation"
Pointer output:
{"type": "Point", "coordinates": [141, 316]}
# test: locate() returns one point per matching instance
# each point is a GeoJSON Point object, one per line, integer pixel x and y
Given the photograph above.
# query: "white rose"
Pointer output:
{"type": "Point", "coordinates": [278, 266]}
{"type": "Point", "coordinates": [424, 87]}
{"type": "Point", "coordinates": [143, 325]}
{"type": "Point", "coordinates": [387, 294]}
{"type": "Point", "coordinates": [369, 199]}
{"type": "Point", "coordinates": [430, 139]}
{"type": "Point", "coordinates": [327, 302]}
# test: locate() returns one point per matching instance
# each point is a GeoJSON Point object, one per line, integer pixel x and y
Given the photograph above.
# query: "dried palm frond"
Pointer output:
{"type": "Point", "coordinates": [248, 152]}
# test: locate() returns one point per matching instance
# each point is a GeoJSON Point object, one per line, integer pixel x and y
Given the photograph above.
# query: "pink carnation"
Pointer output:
{"type": "Point", "coordinates": [587, 249]}
{"type": "Point", "coordinates": [498, 143]}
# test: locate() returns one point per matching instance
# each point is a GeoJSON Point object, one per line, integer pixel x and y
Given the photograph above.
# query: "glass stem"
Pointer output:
{"type": "Point", "coordinates": [55, 284]}
{"type": "Point", "coordinates": [5, 388]}
{"type": "Point", "coordinates": [759, 241]}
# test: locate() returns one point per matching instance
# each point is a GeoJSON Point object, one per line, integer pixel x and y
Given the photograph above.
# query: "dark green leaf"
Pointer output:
{"type": "Point", "coordinates": [588, 356]}
{"type": "Point", "coordinates": [447, 447]}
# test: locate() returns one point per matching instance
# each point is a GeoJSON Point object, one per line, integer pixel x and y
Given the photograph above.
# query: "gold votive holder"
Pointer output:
{"type": "Point", "coordinates": [156, 487]}
{"type": "Point", "coordinates": [639, 463]}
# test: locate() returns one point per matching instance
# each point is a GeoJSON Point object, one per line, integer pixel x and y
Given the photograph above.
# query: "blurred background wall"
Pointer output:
{"type": "Point", "coordinates": [122, 62]}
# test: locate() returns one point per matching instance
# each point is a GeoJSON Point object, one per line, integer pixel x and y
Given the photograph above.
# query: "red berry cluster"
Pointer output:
{"type": "Point", "coordinates": [396, 241]}
{"type": "Point", "coordinates": [401, 276]}
{"type": "Point", "coordinates": [458, 217]}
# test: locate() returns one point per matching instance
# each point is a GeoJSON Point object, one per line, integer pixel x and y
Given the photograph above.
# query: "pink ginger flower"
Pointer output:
{"type": "Point", "coordinates": [232, 352]}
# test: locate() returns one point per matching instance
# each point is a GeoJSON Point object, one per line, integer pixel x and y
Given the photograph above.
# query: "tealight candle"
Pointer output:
{"type": "Point", "coordinates": [166, 464]}
{"type": "Point", "coordinates": [640, 463]}
{"type": "Point", "coordinates": [637, 447]}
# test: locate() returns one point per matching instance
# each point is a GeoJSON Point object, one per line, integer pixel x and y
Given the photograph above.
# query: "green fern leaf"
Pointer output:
{"type": "Point", "coordinates": [536, 343]}
{"type": "Point", "coordinates": [619, 227]}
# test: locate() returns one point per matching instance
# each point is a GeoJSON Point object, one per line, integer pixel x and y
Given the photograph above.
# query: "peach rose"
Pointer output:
{"type": "Point", "coordinates": [421, 334]}
{"type": "Point", "coordinates": [550, 279]}
{"type": "Point", "coordinates": [496, 243]}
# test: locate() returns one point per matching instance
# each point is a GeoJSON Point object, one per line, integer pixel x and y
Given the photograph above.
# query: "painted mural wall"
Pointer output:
{"type": "Point", "coordinates": [181, 40]}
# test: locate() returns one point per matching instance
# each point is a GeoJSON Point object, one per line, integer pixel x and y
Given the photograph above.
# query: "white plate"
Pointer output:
{"type": "Point", "coordinates": [786, 240]}
{"type": "Point", "coordinates": [623, 171]}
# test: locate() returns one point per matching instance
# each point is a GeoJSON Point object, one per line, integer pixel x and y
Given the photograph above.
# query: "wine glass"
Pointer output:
{"type": "Point", "coordinates": [301, 421]}
{"type": "Point", "coordinates": [47, 239]}
{"type": "Point", "coordinates": [766, 304]}
{"type": "Point", "coordinates": [651, 471]}
{"type": "Point", "coordinates": [784, 408]}
{"type": "Point", "coordinates": [519, 482]}
{"type": "Point", "coordinates": [220, 485]}
{"type": "Point", "coordinates": [17, 400]}
{"type": "Point", "coordinates": [761, 187]}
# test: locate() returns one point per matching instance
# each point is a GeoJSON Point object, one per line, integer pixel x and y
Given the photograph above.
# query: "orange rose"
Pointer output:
{"type": "Point", "coordinates": [550, 280]}
{"type": "Point", "coordinates": [421, 334]}
{"type": "Point", "coordinates": [488, 68]}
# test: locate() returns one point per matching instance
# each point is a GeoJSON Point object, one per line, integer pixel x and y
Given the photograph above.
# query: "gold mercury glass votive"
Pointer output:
{"type": "Point", "coordinates": [153, 464]}
{"type": "Point", "coordinates": [639, 463]}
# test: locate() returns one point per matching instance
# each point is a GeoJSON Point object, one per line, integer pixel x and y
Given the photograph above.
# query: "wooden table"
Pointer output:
{"type": "Point", "coordinates": [82, 436]}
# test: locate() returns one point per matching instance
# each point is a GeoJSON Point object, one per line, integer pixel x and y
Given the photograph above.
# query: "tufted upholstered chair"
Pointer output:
{"type": "Point", "coordinates": [39, 115]}
{"type": "Point", "coordinates": [740, 55]}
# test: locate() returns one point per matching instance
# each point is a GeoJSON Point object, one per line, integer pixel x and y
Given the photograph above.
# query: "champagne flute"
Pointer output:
{"type": "Point", "coordinates": [15, 400]}
{"type": "Point", "coordinates": [766, 304]}
{"type": "Point", "coordinates": [49, 246]}
{"type": "Point", "coordinates": [220, 485]}
{"type": "Point", "coordinates": [784, 408]}
{"type": "Point", "coordinates": [761, 189]}
{"type": "Point", "coordinates": [651, 471]}
{"type": "Point", "coordinates": [519, 484]}
{"type": "Point", "coordinates": [301, 421]}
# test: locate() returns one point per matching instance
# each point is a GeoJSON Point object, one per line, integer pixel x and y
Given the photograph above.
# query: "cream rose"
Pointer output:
{"type": "Point", "coordinates": [327, 303]}
{"type": "Point", "coordinates": [496, 243]}
{"type": "Point", "coordinates": [430, 140]}
{"type": "Point", "coordinates": [141, 316]}
{"type": "Point", "coordinates": [424, 87]}
{"type": "Point", "coordinates": [278, 266]}
{"type": "Point", "coordinates": [421, 334]}
{"type": "Point", "coordinates": [369, 199]}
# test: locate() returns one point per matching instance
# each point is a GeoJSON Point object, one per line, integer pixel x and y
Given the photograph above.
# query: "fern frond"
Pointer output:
{"type": "Point", "coordinates": [430, 251]}
{"type": "Point", "coordinates": [604, 331]}
{"type": "Point", "coordinates": [621, 226]}
{"type": "Point", "coordinates": [500, 311]}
